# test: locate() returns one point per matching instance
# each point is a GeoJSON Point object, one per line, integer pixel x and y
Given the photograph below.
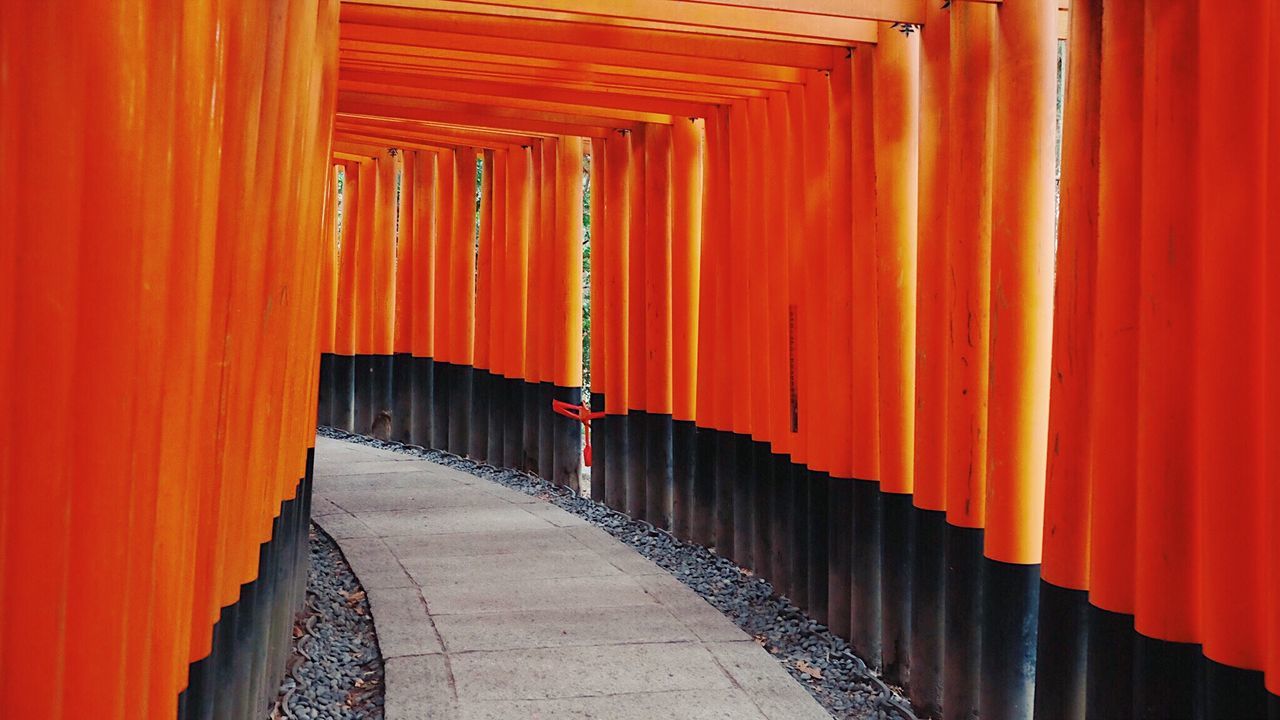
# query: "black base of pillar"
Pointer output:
{"type": "Point", "coordinates": [363, 394]}
{"type": "Point", "coordinates": [781, 521]}
{"type": "Point", "coordinates": [546, 418]}
{"type": "Point", "coordinates": [867, 605]}
{"type": "Point", "coordinates": [961, 674]}
{"type": "Point", "coordinates": [497, 413]}
{"type": "Point", "coordinates": [722, 478]}
{"type": "Point", "coordinates": [478, 437]}
{"type": "Point", "coordinates": [839, 556]}
{"type": "Point", "coordinates": [513, 422]}
{"type": "Point", "coordinates": [423, 395]}
{"type": "Point", "coordinates": [757, 466]}
{"type": "Point", "coordinates": [1062, 654]}
{"type": "Point", "coordinates": [568, 440]}
{"type": "Point", "coordinates": [1010, 618]}
{"type": "Point", "coordinates": [684, 473]}
{"type": "Point", "coordinates": [735, 463]}
{"type": "Point", "coordinates": [383, 397]}
{"type": "Point", "coordinates": [324, 397]}
{"type": "Point", "coordinates": [600, 429]}
{"type": "Point", "coordinates": [530, 443]}
{"type": "Point", "coordinates": [402, 397]}
{"type": "Point", "coordinates": [442, 380]}
{"type": "Point", "coordinates": [460, 390]}
{"type": "Point", "coordinates": [344, 386]}
{"type": "Point", "coordinates": [636, 457]}
{"type": "Point", "coordinates": [1165, 680]}
{"type": "Point", "coordinates": [818, 552]}
{"type": "Point", "coordinates": [658, 470]}
{"type": "Point", "coordinates": [928, 616]}
{"type": "Point", "coordinates": [615, 489]}
{"type": "Point", "coordinates": [800, 521]}
{"type": "Point", "coordinates": [897, 553]}
{"type": "Point", "coordinates": [1233, 693]}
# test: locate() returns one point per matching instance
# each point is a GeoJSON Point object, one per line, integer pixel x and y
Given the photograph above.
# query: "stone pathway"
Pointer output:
{"type": "Point", "coordinates": [491, 604]}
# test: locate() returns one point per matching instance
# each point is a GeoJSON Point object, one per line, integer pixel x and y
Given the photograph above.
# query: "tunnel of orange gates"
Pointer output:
{"type": "Point", "coordinates": [956, 321]}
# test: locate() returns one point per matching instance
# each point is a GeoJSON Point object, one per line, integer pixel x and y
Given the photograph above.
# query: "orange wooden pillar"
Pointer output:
{"type": "Point", "coordinates": [930, 411]}
{"type": "Point", "coordinates": [800, 378]}
{"type": "Point", "coordinates": [364, 308]}
{"type": "Point", "coordinates": [657, 324]}
{"type": "Point", "coordinates": [775, 466]}
{"type": "Point", "coordinates": [1229, 362]}
{"type": "Point", "coordinates": [478, 442]}
{"type": "Point", "coordinates": [328, 295]}
{"type": "Point", "coordinates": [595, 310]}
{"type": "Point", "coordinates": [896, 116]}
{"type": "Point", "coordinates": [637, 368]}
{"type": "Point", "coordinates": [442, 321]}
{"type": "Point", "coordinates": [519, 178]}
{"type": "Point", "coordinates": [867, 501]}
{"type": "Point", "coordinates": [969, 189]}
{"type": "Point", "coordinates": [1061, 655]}
{"type": "Point", "coordinates": [544, 323]}
{"type": "Point", "coordinates": [1114, 393]}
{"type": "Point", "coordinates": [566, 308]}
{"type": "Point", "coordinates": [461, 311]}
{"type": "Point", "coordinates": [1272, 340]}
{"type": "Point", "coordinates": [1168, 608]}
{"type": "Point", "coordinates": [406, 292]}
{"type": "Point", "coordinates": [345, 319]}
{"type": "Point", "coordinates": [422, 303]}
{"type": "Point", "coordinates": [845, 396]}
{"type": "Point", "coordinates": [686, 253]}
{"type": "Point", "coordinates": [1021, 305]}
{"type": "Point", "coordinates": [611, 280]}
{"type": "Point", "coordinates": [714, 365]}
{"type": "Point", "coordinates": [499, 310]}
{"type": "Point", "coordinates": [536, 398]}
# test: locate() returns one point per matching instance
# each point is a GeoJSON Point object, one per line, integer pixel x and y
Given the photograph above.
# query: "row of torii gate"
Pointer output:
{"type": "Point", "coordinates": [1002, 424]}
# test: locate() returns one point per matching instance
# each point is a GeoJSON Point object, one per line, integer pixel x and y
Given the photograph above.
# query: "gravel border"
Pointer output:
{"type": "Point", "coordinates": [335, 669]}
{"type": "Point", "coordinates": [819, 660]}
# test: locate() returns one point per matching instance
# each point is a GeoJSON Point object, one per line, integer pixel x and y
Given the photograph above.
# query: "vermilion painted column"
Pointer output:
{"type": "Point", "coordinates": [345, 319]}
{"type": "Point", "coordinates": [478, 443]}
{"type": "Point", "coordinates": [1168, 608]}
{"type": "Point", "coordinates": [1168, 555]}
{"type": "Point", "coordinates": [328, 296]}
{"type": "Point", "coordinates": [499, 310]}
{"type": "Point", "coordinates": [383, 292]}
{"type": "Point", "coordinates": [1022, 254]}
{"type": "Point", "coordinates": [612, 243]}
{"type": "Point", "coordinates": [365, 307]}
{"type": "Point", "coordinates": [1063, 623]}
{"type": "Point", "coordinates": [930, 443]}
{"type": "Point", "coordinates": [755, 448]}
{"type": "Point", "coordinates": [800, 378]}
{"type": "Point", "coordinates": [547, 321]}
{"type": "Point", "coordinates": [709, 402]}
{"type": "Point", "coordinates": [423, 321]}
{"type": "Point", "coordinates": [445, 344]}
{"type": "Point", "coordinates": [519, 231]}
{"type": "Point", "coordinates": [566, 276]}
{"type": "Point", "coordinates": [686, 252]}
{"type": "Point", "coordinates": [405, 293]}
{"type": "Point", "coordinates": [462, 296]}
{"type": "Point", "coordinates": [897, 160]}
{"type": "Point", "coordinates": [596, 312]}
{"type": "Point", "coordinates": [969, 191]}
{"type": "Point", "coordinates": [1229, 360]}
{"type": "Point", "coordinates": [780, 216]}
{"type": "Point", "coordinates": [1114, 394]}
{"type": "Point", "coordinates": [637, 365]}
{"type": "Point", "coordinates": [843, 384]}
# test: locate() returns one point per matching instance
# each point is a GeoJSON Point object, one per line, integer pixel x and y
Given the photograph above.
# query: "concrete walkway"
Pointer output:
{"type": "Point", "coordinates": [493, 605]}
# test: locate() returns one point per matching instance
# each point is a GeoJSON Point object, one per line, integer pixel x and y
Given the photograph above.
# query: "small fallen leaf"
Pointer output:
{"type": "Point", "coordinates": [809, 670]}
{"type": "Point", "coordinates": [761, 640]}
